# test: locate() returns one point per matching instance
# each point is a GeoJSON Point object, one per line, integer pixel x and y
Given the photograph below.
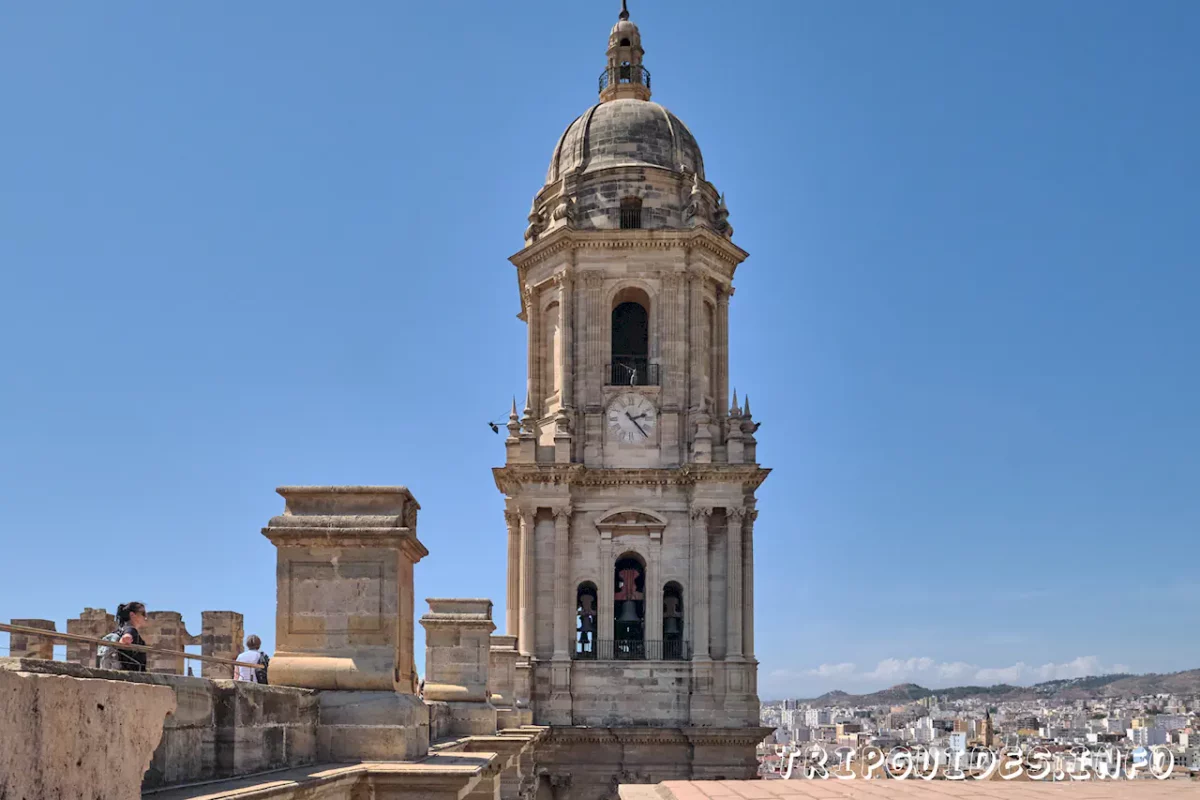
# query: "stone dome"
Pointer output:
{"type": "Point", "coordinates": [626, 132]}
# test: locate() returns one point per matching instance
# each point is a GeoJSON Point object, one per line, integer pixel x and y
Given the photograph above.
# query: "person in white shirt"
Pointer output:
{"type": "Point", "coordinates": [252, 655]}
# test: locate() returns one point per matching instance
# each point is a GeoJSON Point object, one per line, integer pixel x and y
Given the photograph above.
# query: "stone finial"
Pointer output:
{"type": "Point", "coordinates": [624, 10]}
{"type": "Point", "coordinates": [514, 423]}
{"type": "Point", "coordinates": [537, 224]}
{"type": "Point", "coordinates": [734, 411]}
{"type": "Point", "coordinates": [695, 206]}
{"type": "Point", "coordinates": [721, 219]}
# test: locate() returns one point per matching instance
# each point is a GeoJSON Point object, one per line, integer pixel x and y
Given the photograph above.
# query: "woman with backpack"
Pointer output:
{"type": "Point", "coordinates": [130, 617]}
{"type": "Point", "coordinates": [253, 655]}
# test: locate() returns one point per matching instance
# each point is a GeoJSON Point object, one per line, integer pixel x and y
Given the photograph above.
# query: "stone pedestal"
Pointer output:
{"type": "Point", "coordinates": [95, 623]}
{"type": "Point", "coordinates": [220, 637]}
{"type": "Point", "coordinates": [344, 616]}
{"type": "Point", "coordinates": [457, 657]}
{"type": "Point", "coordinates": [166, 630]}
{"type": "Point", "coordinates": [502, 681]}
{"type": "Point", "coordinates": [27, 645]}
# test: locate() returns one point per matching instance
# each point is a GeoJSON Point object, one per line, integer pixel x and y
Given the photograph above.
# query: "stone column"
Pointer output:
{"type": "Point", "coordinates": [344, 557]}
{"type": "Point", "coordinates": [93, 622]}
{"type": "Point", "coordinates": [700, 516]}
{"type": "Point", "coordinates": [562, 582]}
{"type": "Point", "coordinates": [512, 599]}
{"type": "Point", "coordinates": [604, 605]}
{"type": "Point", "coordinates": [733, 591]}
{"type": "Point", "coordinates": [558, 710]}
{"type": "Point", "coordinates": [457, 656]}
{"type": "Point", "coordinates": [27, 645]}
{"type": "Point", "coordinates": [654, 597]}
{"type": "Point", "coordinates": [525, 632]}
{"type": "Point", "coordinates": [221, 636]}
{"type": "Point", "coordinates": [748, 583]}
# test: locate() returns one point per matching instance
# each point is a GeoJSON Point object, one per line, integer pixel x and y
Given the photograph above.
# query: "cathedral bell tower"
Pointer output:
{"type": "Point", "coordinates": [630, 472]}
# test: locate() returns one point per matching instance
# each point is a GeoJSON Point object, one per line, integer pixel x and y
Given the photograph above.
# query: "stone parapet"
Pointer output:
{"type": "Point", "coordinates": [215, 729]}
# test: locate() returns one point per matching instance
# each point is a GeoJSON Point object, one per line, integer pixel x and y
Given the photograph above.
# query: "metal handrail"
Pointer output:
{"type": "Point", "coordinates": [75, 637]}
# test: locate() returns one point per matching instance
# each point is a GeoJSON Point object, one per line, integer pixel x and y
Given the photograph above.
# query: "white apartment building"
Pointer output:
{"type": "Point", "coordinates": [815, 717]}
{"type": "Point", "coordinates": [1147, 737]}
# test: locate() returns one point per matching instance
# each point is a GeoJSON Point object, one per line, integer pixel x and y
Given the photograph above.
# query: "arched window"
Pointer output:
{"type": "Point", "coordinates": [629, 608]}
{"type": "Point", "coordinates": [631, 207]}
{"type": "Point", "coordinates": [586, 614]}
{"type": "Point", "coordinates": [672, 622]}
{"type": "Point", "coordinates": [631, 340]}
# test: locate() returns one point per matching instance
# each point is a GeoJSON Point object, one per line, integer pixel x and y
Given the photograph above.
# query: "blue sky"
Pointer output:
{"type": "Point", "coordinates": [254, 245]}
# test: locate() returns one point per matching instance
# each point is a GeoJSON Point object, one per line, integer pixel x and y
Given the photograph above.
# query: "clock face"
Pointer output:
{"type": "Point", "coordinates": [632, 418]}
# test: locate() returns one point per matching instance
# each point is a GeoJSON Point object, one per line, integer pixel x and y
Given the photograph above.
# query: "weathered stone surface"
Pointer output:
{"type": "Point", "coordinates": [64, 737]}
{"type": "Point", "coordinates": [216, 729]}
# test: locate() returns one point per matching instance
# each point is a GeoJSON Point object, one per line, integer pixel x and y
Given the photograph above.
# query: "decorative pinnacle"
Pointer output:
{"type": "Point", "coordinates": [624, 10]}
{"type": "Point", "coordinates": [746, 412]}
{"type": "Point", "coordinates": [513, 413]}
{"type": "Point", "coordinates": [733, 409]}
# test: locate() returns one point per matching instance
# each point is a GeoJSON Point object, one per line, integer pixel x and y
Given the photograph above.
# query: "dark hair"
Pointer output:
{"type": "Point", "coordinates": [126, 610]}
{"type": "Point", "coordinates": [253, 642]}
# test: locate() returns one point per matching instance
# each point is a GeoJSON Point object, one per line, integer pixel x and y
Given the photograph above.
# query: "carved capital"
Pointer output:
{"type": "Point", "coordinates": [735, 515]}
{"type": "Point", "coordinates": [701, 513]}
{"type": "Point", "coordinates": [563, 512]}
{"type": "Point", "coordinates": [512, 519]}
{"type": "Point", "coordinates": [594, 280]}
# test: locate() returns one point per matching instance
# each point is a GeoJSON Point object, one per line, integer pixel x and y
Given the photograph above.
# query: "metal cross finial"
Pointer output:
{"type": "Point", "coordinates": [624, 10]}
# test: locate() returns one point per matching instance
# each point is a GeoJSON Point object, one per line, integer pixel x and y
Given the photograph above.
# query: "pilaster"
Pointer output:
{"type": "Point", "coordinates": [526, 630]}
{"type": "Point", "coordinates": [512, 599]}
{"type": "Point", "coordinates": [654, 595]}
{"type": "Point", "coordinates": [748, 582]}
{"type": "Point", "coordinates": [604, 606]}
{"type": "Point", "coordinates": [733, 592]}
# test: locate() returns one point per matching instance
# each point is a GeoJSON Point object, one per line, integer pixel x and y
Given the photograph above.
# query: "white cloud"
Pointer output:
{"type": "Point", "coordinates": [932, 674]}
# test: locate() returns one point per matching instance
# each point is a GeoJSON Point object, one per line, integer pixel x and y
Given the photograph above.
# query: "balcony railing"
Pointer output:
{"type": "Point", "coordinates": [625, 73]}
{"type": "Point", "coordinates": [632, 371]}
{"type": "Point", "coordinates": [636, 650]}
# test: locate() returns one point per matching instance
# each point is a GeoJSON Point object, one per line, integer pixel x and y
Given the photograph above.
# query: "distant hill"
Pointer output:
{"type": "Point", "coordinates": [1088, 688]}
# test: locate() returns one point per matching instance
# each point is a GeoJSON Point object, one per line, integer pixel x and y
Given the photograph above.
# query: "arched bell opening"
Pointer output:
{"type": "Point", "coordinates": [629, 608]}
{"type": "Point", "coordinates": [672, 622]}
{"type": "Point", "coordinates": [586, 615]}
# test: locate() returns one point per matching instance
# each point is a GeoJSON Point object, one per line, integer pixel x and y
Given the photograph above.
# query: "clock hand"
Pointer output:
{"type": "Point", "coordinates": [634, 421]}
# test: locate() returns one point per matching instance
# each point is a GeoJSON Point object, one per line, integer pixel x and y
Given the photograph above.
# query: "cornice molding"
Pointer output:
{"type": "Point", "coordinates": [510, 478]}
{"type": "Point", "coordinates": [651, 239]}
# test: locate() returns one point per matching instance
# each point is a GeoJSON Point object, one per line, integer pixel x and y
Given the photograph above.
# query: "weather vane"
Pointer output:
{"type": "Point", "coordinates": [624, 10]}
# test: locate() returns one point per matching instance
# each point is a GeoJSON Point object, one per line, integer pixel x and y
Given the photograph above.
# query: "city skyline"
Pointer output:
{"type": "Point", "coordinates": [966, 323]}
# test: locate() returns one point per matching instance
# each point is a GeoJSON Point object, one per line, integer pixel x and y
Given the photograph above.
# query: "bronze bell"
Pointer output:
{"type": "Point", "coordinates": [629, 612]}
{"type": "Point", "coordinates": [671, 626]}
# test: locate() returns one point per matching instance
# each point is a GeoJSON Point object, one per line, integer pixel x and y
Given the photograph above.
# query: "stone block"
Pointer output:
{"type": "Point", "coordinates": [359, 725]}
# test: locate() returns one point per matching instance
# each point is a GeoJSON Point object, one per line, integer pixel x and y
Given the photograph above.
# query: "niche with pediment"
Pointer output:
{"type": "Point", "coordinates": [624, 521]}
